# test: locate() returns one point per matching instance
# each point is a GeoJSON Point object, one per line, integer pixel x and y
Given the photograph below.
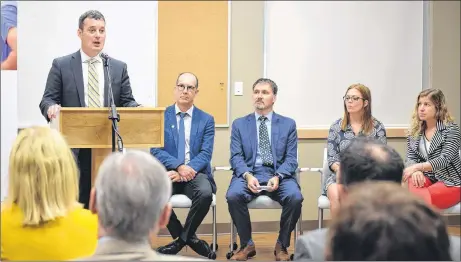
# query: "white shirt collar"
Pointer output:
{"type": "Point", "coordinates": [86, 57]}
{"type": "Point", "coordinates": [189, 112]}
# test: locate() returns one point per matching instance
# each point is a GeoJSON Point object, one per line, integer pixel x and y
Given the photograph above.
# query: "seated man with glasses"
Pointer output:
{"type": "Point", "coordinates": [189, 139]}
{"type": "Point", "coordinates": [356, 122]}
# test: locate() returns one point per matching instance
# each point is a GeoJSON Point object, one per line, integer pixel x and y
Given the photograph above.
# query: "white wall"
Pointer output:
{"type": "Point", "coordinates": [9, 122]}
{"type": "Point", "coordinates": [314, 50]}
{"type": "Point", "coordinates": [49, 29]}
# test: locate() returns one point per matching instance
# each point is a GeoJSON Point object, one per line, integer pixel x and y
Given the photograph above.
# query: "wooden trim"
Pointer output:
{"type": "Point", "coordinates": [311, 133]}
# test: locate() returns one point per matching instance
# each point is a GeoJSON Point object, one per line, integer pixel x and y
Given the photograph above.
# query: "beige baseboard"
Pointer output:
{"type": "Point", "coordinates": [273, 226]}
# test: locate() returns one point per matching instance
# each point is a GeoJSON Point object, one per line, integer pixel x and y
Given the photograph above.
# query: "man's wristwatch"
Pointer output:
{"type": "Point", "coordinates": [245, 175]}
{"type": "Point", "coordinates": [279, 176]}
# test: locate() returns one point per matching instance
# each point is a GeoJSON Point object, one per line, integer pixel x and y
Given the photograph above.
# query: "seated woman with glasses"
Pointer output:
{"type": "Point", "coordinates": [433, 152]}
{"type": "Point", "coordinates": [357, 121]}
{"type": "Point", "coordinates": [41, 218]}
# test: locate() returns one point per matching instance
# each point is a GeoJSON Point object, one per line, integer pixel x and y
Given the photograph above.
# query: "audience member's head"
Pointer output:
{"type": "Point", "coordinates": [131, 196]}
{"type": "Point", "coordinates": [383, 221]}
{"type": "Point", "coordinates": [43, 176]}
{"type": "Point", "coordinates": [368, 159]}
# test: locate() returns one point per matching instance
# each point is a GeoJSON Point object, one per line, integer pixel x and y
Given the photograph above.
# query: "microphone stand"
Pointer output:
{"type": "Point", "coordinates": [113, 114]}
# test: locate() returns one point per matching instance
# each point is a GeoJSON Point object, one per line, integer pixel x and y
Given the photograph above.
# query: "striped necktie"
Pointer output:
{"type": "Point", "coordinates": [94, 97]}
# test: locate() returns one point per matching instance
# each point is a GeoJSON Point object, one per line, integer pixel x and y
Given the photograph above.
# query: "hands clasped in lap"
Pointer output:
{"type": "Point", "coordinates": [184, 174]}
{"type": "Point", "coordinates": [253, 184]}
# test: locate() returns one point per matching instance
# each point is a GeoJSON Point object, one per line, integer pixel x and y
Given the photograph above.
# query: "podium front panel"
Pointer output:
{"type": "Point", "coordinates": [140, 127]}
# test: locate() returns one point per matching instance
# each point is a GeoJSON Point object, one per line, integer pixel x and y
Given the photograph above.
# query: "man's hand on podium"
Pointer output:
{"type": "Point", "coordinates": [53, 111]}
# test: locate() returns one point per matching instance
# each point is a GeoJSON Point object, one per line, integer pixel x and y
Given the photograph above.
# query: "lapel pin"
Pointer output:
{"type": "Point", "coordinates": [172, 126]}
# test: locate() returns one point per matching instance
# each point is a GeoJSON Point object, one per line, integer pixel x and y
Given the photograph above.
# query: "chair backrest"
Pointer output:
{"type": "Point", "coordinates": [326, 172]}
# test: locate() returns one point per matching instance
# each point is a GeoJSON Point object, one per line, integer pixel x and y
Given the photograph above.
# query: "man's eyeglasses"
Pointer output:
{"type": "Point", "coordinates": [181, 87]}
{"type": "Point", "coordinates": [352, 98]}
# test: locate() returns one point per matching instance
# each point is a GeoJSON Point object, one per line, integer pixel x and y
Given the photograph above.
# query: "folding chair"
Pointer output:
{"type": "Point", "coordinates": [182, 201]}
{"type": "Point", "coordinates": [260, 202]}
{"type": "Point", "coordinates": [323, 202]}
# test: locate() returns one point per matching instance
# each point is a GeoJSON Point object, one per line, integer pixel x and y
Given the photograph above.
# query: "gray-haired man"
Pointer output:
{"type": "Point", "coordinates": [131, 197]}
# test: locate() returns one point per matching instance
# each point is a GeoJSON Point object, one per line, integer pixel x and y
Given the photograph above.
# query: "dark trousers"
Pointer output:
{"type": "Point", "coordinates": [200, 192]}
{"type": "Point", "coordinates": [83, 159]}
{"type": "Point", "coordinates": [288, 195]}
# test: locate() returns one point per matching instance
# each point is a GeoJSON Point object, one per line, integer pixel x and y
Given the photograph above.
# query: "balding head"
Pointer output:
{"type": "Point", "coordinates": [186, 90]}
{"type": "Point", "coordinates": [132, 195]}
{"type": "Point", "coordinates": [368, 159]}
{"type": "Point", "coordinates": [189, 77]}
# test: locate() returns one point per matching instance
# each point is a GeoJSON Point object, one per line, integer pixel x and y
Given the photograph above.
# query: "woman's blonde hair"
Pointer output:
{"type": "Point", "coordinates": [367, 120]}
{"type": "Point", "coordinates": [438, 99]}
{"type": "Point", "coordinates": [43, 176]}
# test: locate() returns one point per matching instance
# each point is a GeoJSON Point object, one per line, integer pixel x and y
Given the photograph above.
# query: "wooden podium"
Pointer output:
{"type": "Point", "coordinates": [140, 127]}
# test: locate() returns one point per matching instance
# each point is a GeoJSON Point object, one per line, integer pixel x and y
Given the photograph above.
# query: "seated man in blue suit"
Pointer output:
{"type": "Point", "coordinates": [189, 140]}
{"type": "Point", "coordinates": [264, 149]}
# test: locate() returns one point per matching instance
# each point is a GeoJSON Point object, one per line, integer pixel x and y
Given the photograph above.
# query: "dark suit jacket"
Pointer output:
{"type": "Point", "coordinates": [244, 145]}
{"type": "Point", "coordinates": [201, 143]}
{"type": "Point", "coordinates": [64, 85]}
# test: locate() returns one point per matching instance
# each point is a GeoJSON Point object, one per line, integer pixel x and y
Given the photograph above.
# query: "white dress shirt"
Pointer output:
{"type": "Point", "coordinates": [187, 127]}
{"type": "Point", "coordinates": [424, 146]}
{"type": "Point", "coordinates": [100, 70]}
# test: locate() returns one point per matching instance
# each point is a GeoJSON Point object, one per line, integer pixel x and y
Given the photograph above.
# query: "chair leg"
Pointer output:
{"type": "Point", "coordinates": [215, 233]}
{"type": "Point", "coordinates": [295, 238]}
{"type": "Point", "coordinates": [320, 218]}
{"type": "Point", "coordinates": [232, 239]}
{"type": "Point", "coordinates": [300, 224]}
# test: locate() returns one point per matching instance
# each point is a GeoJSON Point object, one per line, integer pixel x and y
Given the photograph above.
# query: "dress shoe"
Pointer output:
{"type": "Point", "coordinates": [245, 253]}
{"type": "Point", "coordinates": [281, 253]}
{"type": "Point", "coordinates": [172, 248]}
{"type": "Point", "coordinates": [200, 247]}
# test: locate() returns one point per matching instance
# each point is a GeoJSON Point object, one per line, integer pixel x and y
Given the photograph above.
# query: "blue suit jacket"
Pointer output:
{"type": "Point", "coordinates": [244, 145]}
{"type": "Point", "coordinates": [201, 143]}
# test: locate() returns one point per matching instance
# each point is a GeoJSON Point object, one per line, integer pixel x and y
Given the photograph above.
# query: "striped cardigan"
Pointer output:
{"type": "Point", "coordinates": [443, 154]}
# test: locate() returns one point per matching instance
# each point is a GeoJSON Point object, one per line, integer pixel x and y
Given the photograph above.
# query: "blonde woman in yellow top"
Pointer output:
{"type": "Point", "coordinates": [41, 218]}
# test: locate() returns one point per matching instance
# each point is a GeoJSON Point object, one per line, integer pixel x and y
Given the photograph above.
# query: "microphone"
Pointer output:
{"type": "Point", "coordinates": [104, 57]}
{"type": "Point", "coordinates": [113, 115]}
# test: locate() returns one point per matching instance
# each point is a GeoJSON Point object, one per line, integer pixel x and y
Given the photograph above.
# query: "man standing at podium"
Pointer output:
{"type": "Point", "coordinates": [189, 140]}
{"type": "Point", "coordinates": [80, 80]}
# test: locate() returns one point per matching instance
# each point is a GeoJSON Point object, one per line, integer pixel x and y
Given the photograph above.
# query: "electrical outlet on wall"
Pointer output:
{"type": "Point", "coordinates": [238, 88]}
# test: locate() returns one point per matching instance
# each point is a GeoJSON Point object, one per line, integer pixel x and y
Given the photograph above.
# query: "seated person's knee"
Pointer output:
{"type": "Point", "coordinates": [333, 192]}
{"type": "Point", "coordinates": [234, 197]}
{"type": "Point", "coordinates": [295, 198]}
{"type": "Point", "coordinates": [205, 195]}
